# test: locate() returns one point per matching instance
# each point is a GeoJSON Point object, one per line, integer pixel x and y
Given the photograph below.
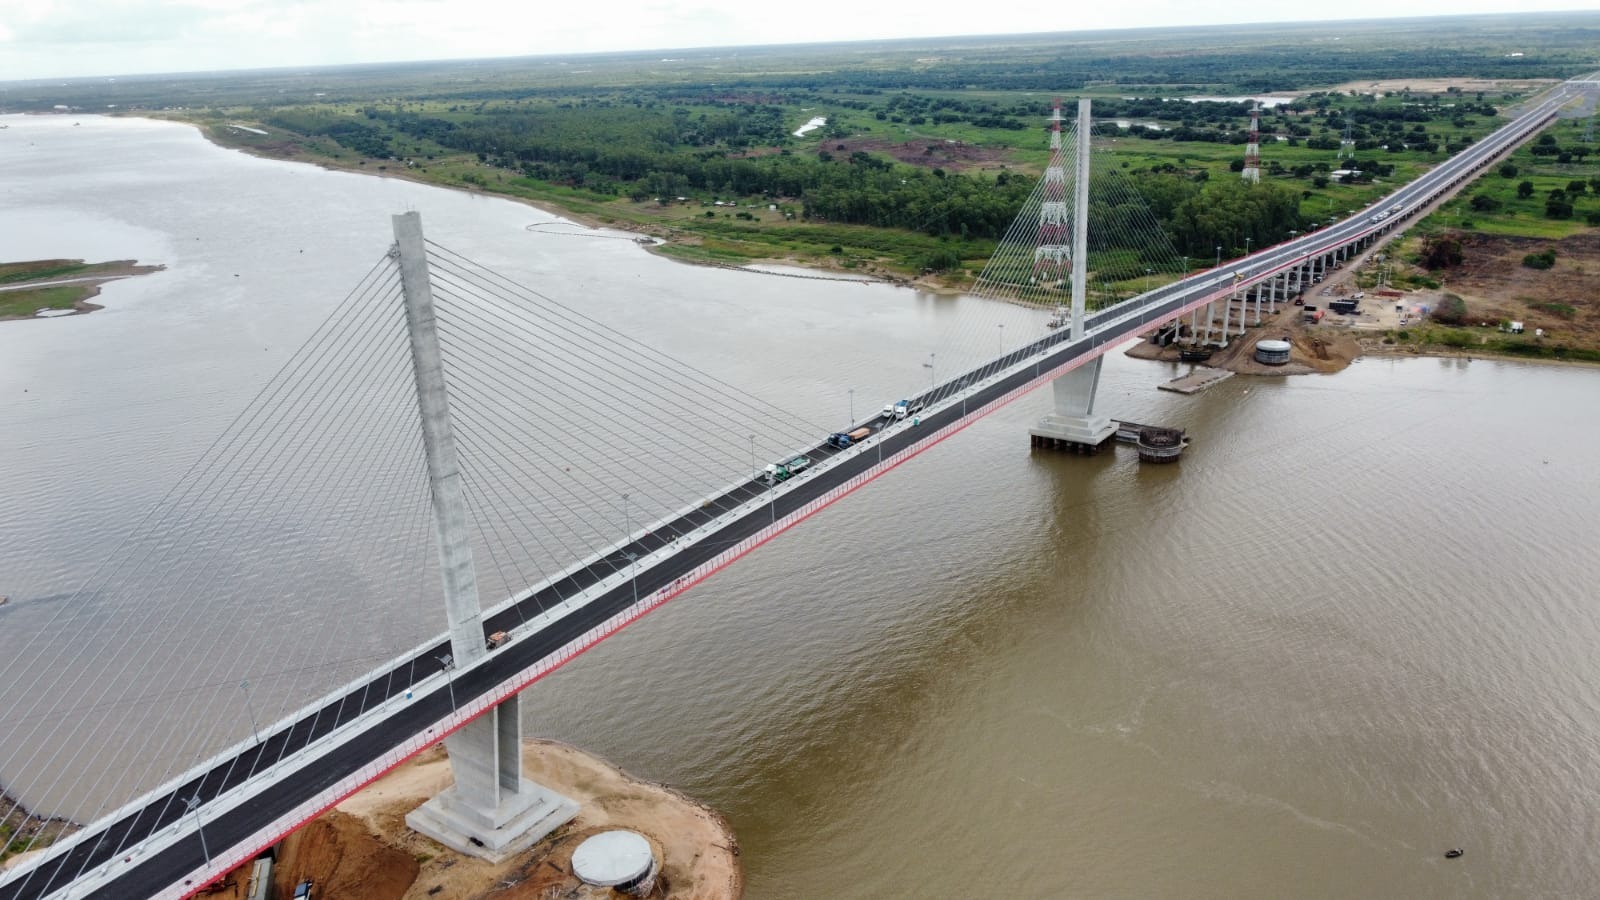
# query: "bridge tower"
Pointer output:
{"type": "Point", "coordinates": [1252, 150]}
{"type": "Point", "coordinates": [1074, 424]}
{"type": "Point", "coordinates": [491, 811]}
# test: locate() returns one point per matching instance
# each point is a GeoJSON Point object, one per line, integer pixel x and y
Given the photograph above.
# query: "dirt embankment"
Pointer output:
{"type": "Point", "coordinates": [363, 850]}
{"type": "Point", "coordinates": [22, 834]}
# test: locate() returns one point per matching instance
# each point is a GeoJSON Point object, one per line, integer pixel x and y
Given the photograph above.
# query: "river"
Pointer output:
{"type": "Point", "coordinates": [1353, 628]}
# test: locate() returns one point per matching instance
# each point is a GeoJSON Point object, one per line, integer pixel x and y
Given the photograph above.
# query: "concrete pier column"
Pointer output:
{"type": "Point", "coordinates": [491, 811]}
{"type": "Point", "coordinates": [1074, 420]}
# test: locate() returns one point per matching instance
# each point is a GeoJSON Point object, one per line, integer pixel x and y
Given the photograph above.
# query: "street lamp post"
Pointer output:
{"type": "Point", "coordinates": [752, 456]}
{"type": "Point", "coordinates": [1219, 256]}
{"type": "Point", "coordinates": [1002, 327]}
{"type": "Point", "coordinates": [932, 378]}
{"type": "Point", "coordinates": [199, 827]}
{"type": "Point", "coordinates": [447, 663]}
{"type": "Point", "coordinates": [1147, 279]}
{"type": "Point", "coordinates": [852, 406]}
{"type": "Point", "coordinates": [250, 708]}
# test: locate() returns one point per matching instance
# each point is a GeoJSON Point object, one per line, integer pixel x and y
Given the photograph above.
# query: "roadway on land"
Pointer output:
{"type": "Point", "coordinates": [307, 772]}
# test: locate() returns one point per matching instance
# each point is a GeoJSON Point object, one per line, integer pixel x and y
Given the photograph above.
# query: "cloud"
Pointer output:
{"type": "Point", "coordinates": [67, 38]}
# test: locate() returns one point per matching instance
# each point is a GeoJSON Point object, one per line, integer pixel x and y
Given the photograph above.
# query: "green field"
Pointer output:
{"type": "Point", "coordinates": [25, 303]}
{"type": "Point", "coordinates": [930, 146]}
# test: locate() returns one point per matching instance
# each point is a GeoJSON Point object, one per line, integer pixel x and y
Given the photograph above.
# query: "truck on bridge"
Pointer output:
{"type": "Point", "coordinates": [783, 471]}
{"type": "Point", "coordinates": [843, 439]}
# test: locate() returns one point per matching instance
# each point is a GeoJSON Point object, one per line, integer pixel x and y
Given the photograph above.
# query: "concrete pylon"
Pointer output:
{"type": "Point", "coordinates": [1074, 423]}
{"type": "Point", "coordinates": [491, 811]}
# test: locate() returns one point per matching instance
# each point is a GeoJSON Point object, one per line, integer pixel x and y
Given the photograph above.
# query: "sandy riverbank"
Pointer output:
{"type": "Point", "coordinates": [363, 850]}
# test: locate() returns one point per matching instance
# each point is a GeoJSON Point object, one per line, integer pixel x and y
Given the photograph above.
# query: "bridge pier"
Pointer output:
{"type": "Point", "coordinates": [491, 811]}
{"type": "Point", "coordinates": [1074, 426]}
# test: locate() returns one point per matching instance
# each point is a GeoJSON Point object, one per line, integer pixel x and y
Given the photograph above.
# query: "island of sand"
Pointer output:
{"type": "Point", "coordinates": [46, 288]}
{"type": "Point", "coordinates": [362, 849]}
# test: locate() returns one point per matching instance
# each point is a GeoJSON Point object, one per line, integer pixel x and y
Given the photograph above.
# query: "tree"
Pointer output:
{"type": "Point", "coordinates": [1525, 189]}
{"type": "Point", "coordinates": [1557, 206]}
{"type": "Point", "coordinates": [1508, 171]}
{"type": "Point", "coordinates": [1484, 203]}
{"type": "Point", "coordinates": [1441, 252]}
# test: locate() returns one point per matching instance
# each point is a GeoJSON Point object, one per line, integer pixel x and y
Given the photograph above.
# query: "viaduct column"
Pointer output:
{"type": "Point", "coordinates": [491, 811]}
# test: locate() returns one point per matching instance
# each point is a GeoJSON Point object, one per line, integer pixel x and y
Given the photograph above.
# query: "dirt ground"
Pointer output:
{"type": "Point", "coordinates": [362, 849]}
{"type": "Point", "coordinates": [1440, 85]}
{"type": "Point", "coordinates": [1496, 285]}
{"type": "Point", "coordinates": [954, 156]}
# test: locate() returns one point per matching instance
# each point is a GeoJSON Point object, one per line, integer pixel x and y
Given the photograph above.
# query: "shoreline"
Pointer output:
{"type": "Point", "coordinates": [22, 827]}
{"type": "Point", "coordinates": [659, 235]}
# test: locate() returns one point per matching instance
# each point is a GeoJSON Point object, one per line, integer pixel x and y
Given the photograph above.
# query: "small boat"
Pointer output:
{"type": "Point", "coordinates": [1194, 354]}
{"type": "Point", "coordinates": [1453, 853]}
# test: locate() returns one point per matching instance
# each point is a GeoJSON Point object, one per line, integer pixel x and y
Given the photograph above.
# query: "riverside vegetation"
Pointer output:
{"type": "Point", "coordinates": [931, 146]}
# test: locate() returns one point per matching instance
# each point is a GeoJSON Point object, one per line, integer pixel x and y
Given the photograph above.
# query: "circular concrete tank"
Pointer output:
{"type": "Point", "coordinates": [621, 860]}
{"type": "Point", "coordinates": [1272, 353]}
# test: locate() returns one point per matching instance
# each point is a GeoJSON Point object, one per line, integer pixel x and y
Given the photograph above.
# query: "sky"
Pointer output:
{"type": "Point", "coordinates": [48, 39]}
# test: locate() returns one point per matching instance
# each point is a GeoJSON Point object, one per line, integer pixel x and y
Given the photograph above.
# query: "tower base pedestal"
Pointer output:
{"type": "Point", "coordinates": [1074, 434]}
{"type": "Point", "coordinates": [520, 821]}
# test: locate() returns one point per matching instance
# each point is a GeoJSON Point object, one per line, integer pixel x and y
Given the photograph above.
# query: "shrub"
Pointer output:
{"type": "Point", "coordinates": [942, 261]}
{"type": "Point", "coordinates": [1541, 260]}
{"type": "Point", "coordinates": [1441, 252]}
{"type": "Point", "coordinates": [1451, 310]}
{"type": "Point", "coordinates": [1559, 310]}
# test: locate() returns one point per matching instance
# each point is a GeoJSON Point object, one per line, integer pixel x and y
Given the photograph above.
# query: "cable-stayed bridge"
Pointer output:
{"type": "Point", "coordinates": [352, 436]}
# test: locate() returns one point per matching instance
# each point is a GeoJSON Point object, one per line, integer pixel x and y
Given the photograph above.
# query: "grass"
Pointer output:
{"type": "Point", "coordinates": [26, 302]}
{"type": "Point", "coordinates": [41, 270]}
{"type": "Point", "coordinates": [1477, 340]}
{"type": "Point", "coordinates": [1525, 217]}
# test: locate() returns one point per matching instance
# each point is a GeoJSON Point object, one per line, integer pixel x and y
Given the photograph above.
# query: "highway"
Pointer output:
{"type": "Point", "coordinates": [306, 769]}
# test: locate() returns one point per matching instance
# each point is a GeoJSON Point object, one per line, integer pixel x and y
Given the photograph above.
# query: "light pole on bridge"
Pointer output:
{"type": "Point", "coordinates": [932, 378]}
{"type": "Point", "coordinates": [852, 406]}
{"type": "Point", "coordinates": [752, 456]}
{"type": "Point", "coordinates": [250, 708]}
{"type": "Point", "coordinates": [447, 662]}
{"type": "Point", "coordinates": [199, 827]}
